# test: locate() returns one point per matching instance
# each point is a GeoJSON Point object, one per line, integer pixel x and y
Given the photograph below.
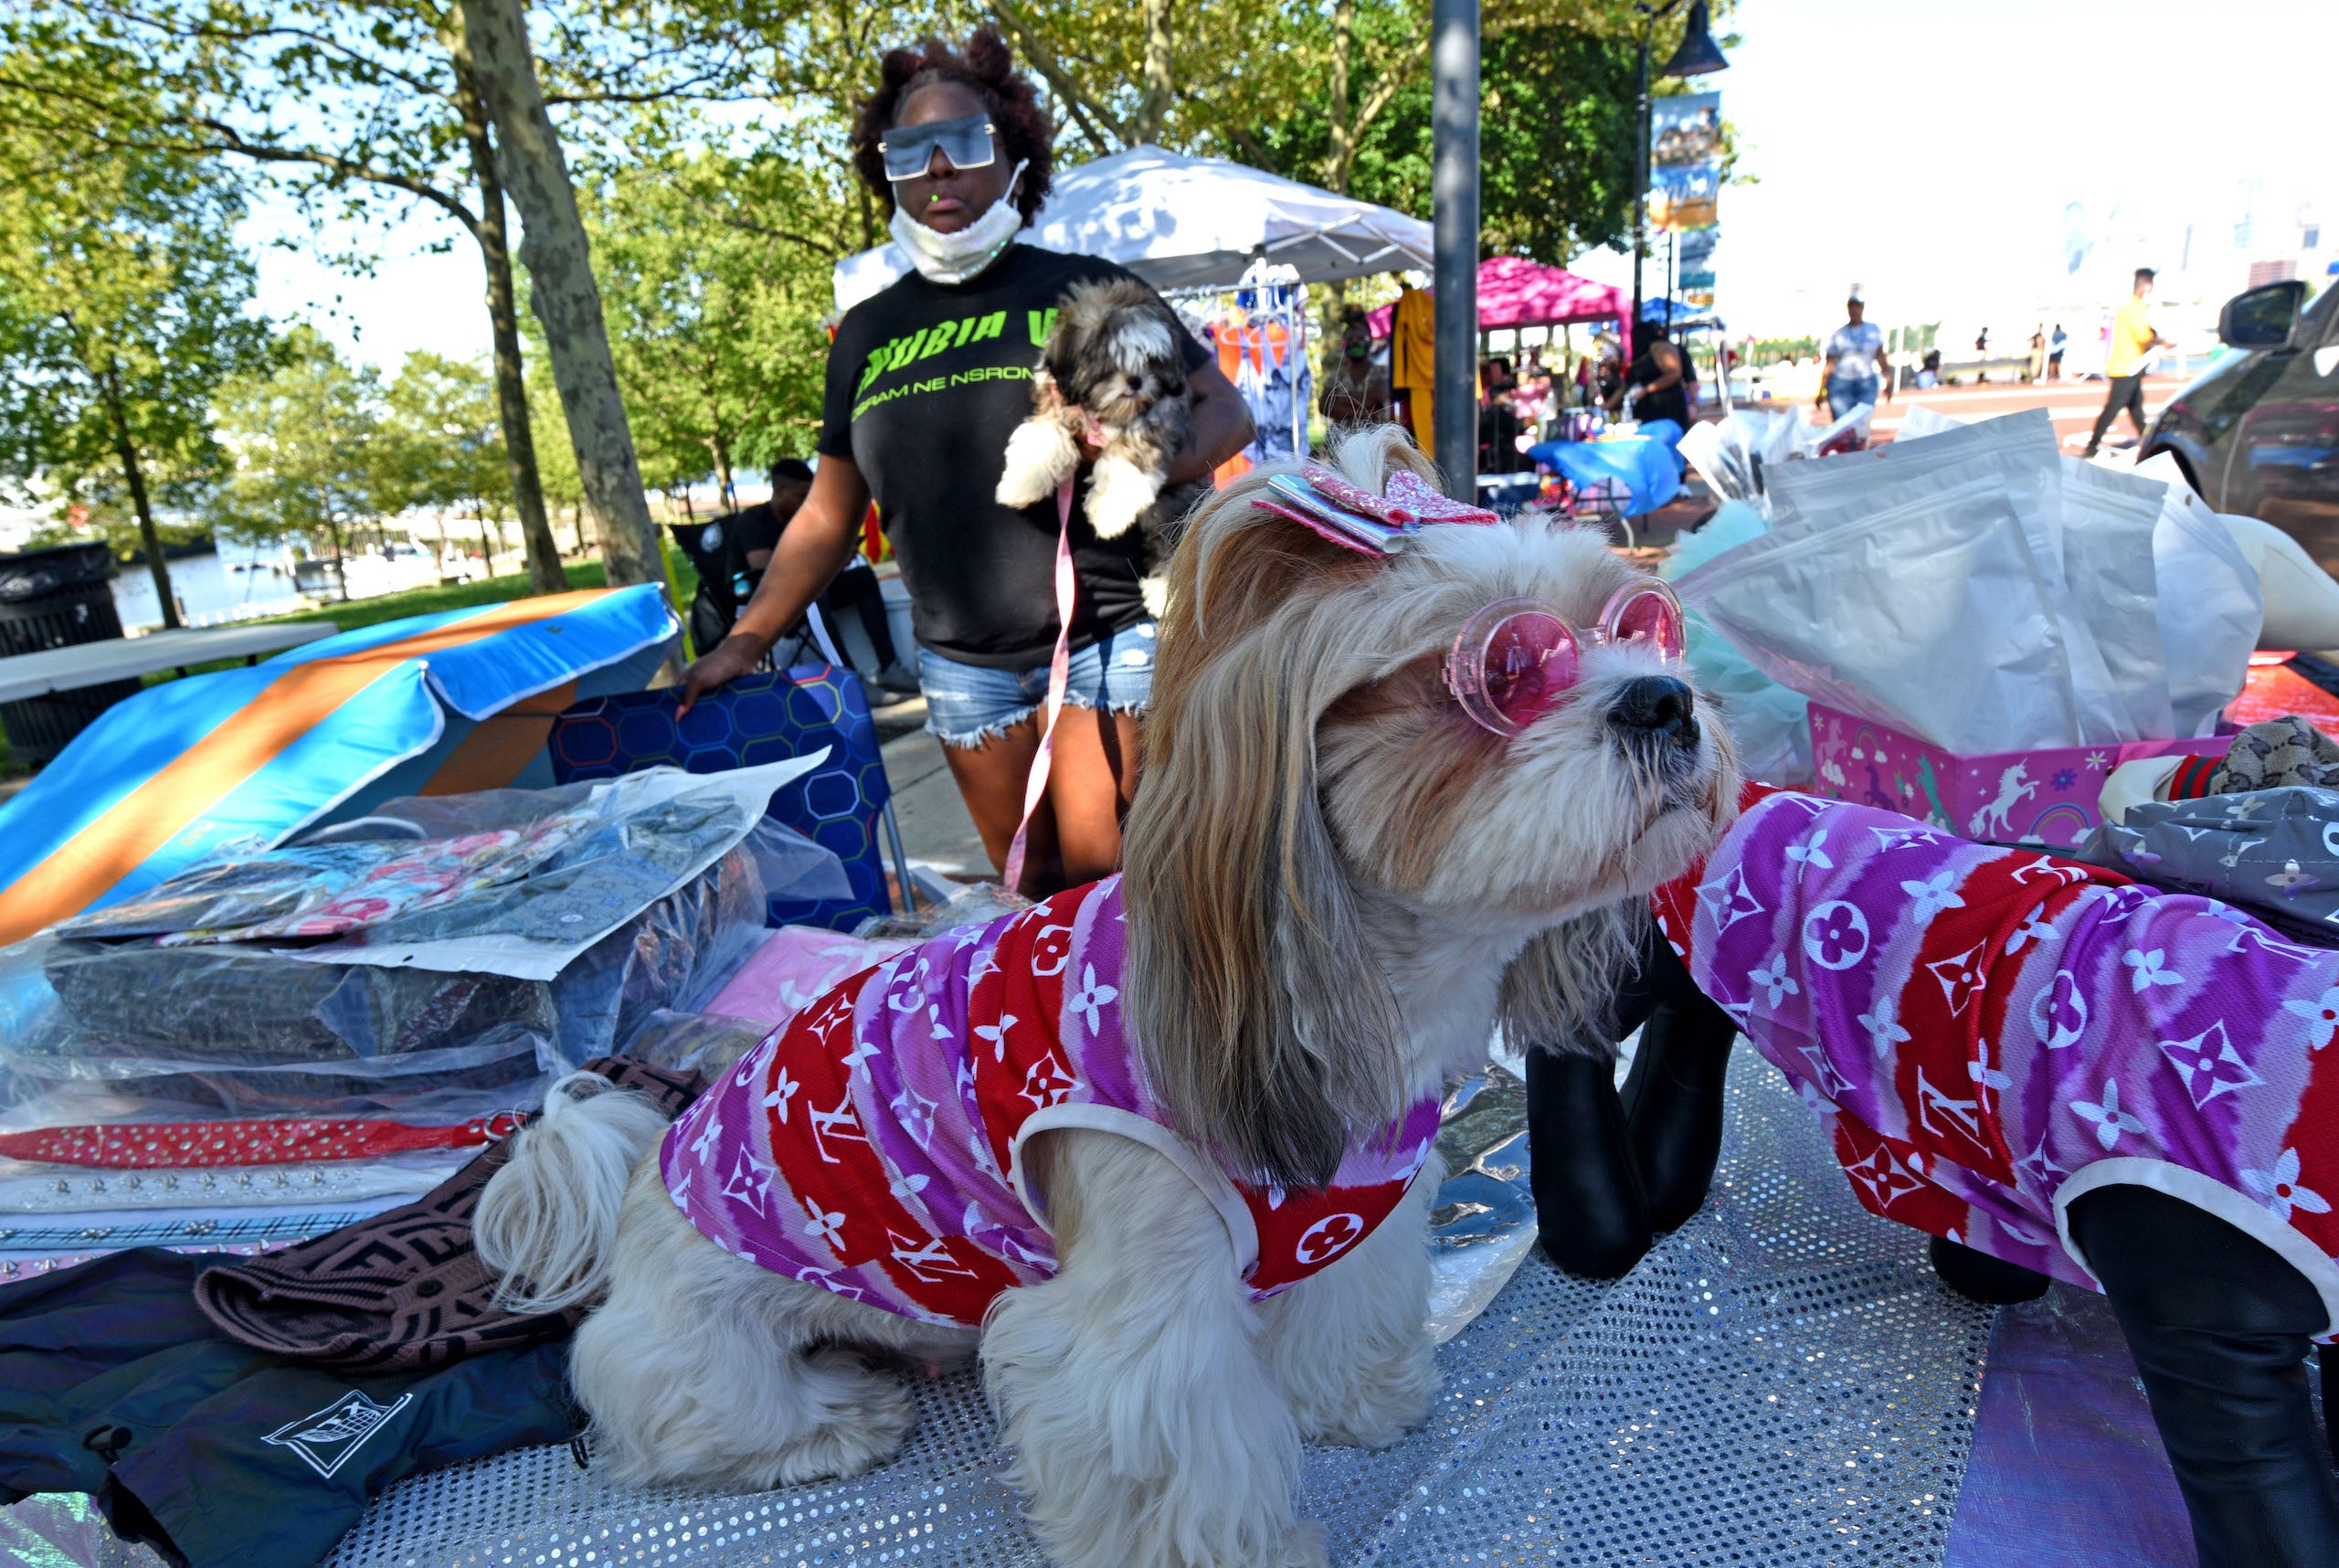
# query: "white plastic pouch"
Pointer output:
{"type": "Point", "coordinates": [2212, 604]}
{"type": "Point", "coordinates": [1931, 615]}
{"type": "Point", "coordinates": [2110, 521]}
{"type": "Point", "coordinates": [1921, 421]}
{"type": "Point", "coordinates": [2017, 456]}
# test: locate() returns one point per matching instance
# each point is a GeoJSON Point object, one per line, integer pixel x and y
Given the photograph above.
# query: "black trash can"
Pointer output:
{"type": "Point", "coordinates": [55, 598]}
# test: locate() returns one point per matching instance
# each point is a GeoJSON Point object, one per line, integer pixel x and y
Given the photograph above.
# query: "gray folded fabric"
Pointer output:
{"type": "Point", "coordinates": [2274, 852]}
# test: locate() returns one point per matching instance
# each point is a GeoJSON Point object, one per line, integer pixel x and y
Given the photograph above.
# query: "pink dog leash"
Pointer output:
{"type": "Point", "coordinates": [1059, 681]}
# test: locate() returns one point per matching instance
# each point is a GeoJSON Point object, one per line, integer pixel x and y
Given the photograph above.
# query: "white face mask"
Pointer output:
{"type": "Point", "coordinates": [955, 258]}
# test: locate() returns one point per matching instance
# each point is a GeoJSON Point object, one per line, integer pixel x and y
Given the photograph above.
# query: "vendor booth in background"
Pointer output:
{"type": "Point", "coordinates": [1184, 223]}
{"type": "Point", "coordinates": [1513, 292]}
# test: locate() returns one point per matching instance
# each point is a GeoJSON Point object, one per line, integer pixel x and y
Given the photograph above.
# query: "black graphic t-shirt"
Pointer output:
{"type": "Point", "coordinates": [925, 383]}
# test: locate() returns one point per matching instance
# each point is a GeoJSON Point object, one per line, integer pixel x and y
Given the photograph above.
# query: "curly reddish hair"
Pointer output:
{"type": "Point", "coordinates": [986, 68]}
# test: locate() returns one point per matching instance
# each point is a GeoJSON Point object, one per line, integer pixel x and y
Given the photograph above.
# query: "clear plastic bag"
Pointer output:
{"type": "Point", "coordinates": [518, 883]}
{"type": "Point", "coordinates": [94, 1031]}
{"type": "Point", "coordinates": [980, 904]}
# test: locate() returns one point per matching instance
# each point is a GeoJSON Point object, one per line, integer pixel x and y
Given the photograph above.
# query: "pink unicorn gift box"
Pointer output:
{"type": "Point", "coordinates": [2041, 795]}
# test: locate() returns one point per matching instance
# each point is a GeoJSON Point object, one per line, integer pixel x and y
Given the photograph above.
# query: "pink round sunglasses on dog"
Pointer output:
{"type": "Point", "coordinates": [1518, 658]}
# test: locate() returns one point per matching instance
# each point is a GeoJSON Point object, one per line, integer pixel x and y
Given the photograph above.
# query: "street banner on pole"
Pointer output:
{"type": "Point", "coordinates": [1696, 253]}
{"type": "Point", "coordinates": [1685, 169]}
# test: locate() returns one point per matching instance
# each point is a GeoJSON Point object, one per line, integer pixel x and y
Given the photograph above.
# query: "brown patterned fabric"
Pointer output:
{"type": "Point", "coordinates": [2277, 753]}
{"type": "Point", "coordinates": [403, 1290]}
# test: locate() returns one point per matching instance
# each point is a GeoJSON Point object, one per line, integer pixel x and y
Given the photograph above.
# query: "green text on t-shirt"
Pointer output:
{"type": "Point", "coordinates": [945, 336]}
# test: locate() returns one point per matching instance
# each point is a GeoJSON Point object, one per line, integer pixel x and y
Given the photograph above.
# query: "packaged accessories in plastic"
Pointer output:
{"type": "Point", "coordinates": [93, 1031]}
{"type": "Point", "coordinates": [517, 882]}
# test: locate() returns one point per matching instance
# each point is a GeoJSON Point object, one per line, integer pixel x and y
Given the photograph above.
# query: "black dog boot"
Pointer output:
{"type": "Point", "coordinates": [1673, 1096]}
{"type": "Point", "coordinates": [1978, 1276]}
{"type": "Point", "coordinates": [1590, 1210]}
{"type": "Point", "coordinates": [2218, 1324]}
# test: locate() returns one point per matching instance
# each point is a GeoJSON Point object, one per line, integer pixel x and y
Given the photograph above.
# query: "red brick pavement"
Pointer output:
{"type": "Point", "coordinates": [2072, 405]}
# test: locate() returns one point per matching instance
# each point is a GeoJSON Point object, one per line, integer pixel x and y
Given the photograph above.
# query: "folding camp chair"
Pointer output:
{"type": "Point", "coordinates": [763, 717]}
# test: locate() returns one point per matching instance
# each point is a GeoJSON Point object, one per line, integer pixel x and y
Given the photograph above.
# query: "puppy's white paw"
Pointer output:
{"type": "Point", "coordinates": [1301, 1547]}
{"type": "Point", "coordinates": [869, 1415]}
{"type": "Point", "coordinates": [1041, 455]}
{"type": "Point", "coordinates": [1379, 1403]}
{"type": "Point", "coordinates": [1156, 589]}
{"type": "Point", "coordinates": [1118, 493]}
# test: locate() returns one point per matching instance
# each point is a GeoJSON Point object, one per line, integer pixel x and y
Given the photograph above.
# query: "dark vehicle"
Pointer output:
{"type": "Point", "coordinates": [2259, 432]}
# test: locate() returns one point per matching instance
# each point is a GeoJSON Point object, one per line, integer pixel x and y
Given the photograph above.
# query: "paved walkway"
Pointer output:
{"type": "Point", "coordinates": [936, 828]}
{"type": "Point", "coordinates": [2072, 405]}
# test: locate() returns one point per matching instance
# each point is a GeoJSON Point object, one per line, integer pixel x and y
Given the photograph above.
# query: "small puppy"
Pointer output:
{"type": "Point", "coordinates": [1337, 882]}
{"type": "Point", "coordinates": [1113, 370]}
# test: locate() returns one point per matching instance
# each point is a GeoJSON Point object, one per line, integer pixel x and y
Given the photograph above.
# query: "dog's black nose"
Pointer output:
{"type": "Point", "coordinates": [1655, 706]}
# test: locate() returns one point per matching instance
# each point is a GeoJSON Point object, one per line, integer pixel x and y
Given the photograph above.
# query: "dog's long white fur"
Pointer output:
{"type": "Point", "coordinates": [1154, 1412]}
{"type": "Point", "coordinates": [543, 1223]}
{"type": "Point", "coordinates": [1041, 455]}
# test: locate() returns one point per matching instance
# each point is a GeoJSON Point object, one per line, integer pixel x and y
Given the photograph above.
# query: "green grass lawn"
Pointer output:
{"type": "Point", "coordinates": [353, 613]}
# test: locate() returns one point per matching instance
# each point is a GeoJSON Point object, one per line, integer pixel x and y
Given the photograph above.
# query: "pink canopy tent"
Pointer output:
{"type": "Point", "coordinates": [1516, 292]}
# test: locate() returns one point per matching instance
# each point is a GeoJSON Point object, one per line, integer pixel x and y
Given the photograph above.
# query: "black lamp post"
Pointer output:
{"type": "Point", "coordinates": [1454, 199]}
{"type": "Point", "coordinates": [1697, 56]}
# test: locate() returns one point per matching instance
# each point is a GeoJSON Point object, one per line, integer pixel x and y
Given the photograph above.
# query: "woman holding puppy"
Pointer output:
{"type": "Point", "coordinates": [926, 381]}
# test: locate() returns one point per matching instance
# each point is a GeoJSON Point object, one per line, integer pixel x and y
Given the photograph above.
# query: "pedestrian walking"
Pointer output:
{"type": "Point", "coordinates": [1853, 371]}
{"type": "Point", "coordinates": [2037, 369]}
{"type": "Point", "coordinates": [2132, 342]}
{"type": "Point", "coordinates": [2056, 341]}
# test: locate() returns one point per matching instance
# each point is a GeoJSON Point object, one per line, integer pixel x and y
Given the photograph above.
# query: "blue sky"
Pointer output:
{"type": "Point", "coordinates": [1931, 152]}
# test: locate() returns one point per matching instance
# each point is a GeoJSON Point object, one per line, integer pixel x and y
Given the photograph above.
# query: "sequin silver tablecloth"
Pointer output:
{"type": "Point", "coordinates": [1782, 1382]}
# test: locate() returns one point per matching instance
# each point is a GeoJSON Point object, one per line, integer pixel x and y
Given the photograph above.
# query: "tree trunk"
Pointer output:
{"type": "Point", "coordinates": [722, 451]}
{"type": "Point", "coordinates": [566, 299]}
{"type": "Point", "coordinates": [502, 313]}
{"type": "Point", "coordinates": [136, 479]}
{"type": "Point", "coordinates": [577, 527]}
{"type": "Point", "coordinates": [340, 569]}
{"type": "Point", "coordinates": [1160, 89]}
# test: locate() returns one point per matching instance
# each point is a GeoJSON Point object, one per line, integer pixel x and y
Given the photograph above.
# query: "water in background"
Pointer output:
{"type": "Point", "coordinates": [211, 587]}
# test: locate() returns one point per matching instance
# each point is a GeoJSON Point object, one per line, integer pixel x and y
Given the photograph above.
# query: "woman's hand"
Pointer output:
{"type": "Point", "coordinates": [733, 657]}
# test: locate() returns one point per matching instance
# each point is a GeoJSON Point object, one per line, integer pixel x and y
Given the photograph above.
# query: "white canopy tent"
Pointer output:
{"type": "Point", "coordinates": [1193, 223]}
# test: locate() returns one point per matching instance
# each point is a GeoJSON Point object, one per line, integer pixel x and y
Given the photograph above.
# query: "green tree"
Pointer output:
{"type": "Point", "coordinates": [439, 445]}
{"type": "Point", "coordinates": [715, 272]}
{"type": "Point", "coordinates": [123, 307]}
{"type": "Point", "coordinates": [309, 441]}
{"type": "Point", "coordinates": [359, 109]}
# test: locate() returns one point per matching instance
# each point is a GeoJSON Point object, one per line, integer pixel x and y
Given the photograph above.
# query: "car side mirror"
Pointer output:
{"type": "Point", "coordinates": [2263, 317]}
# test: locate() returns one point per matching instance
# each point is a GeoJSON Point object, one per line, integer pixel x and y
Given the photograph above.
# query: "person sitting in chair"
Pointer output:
{"type": "Point", "coordinates": [731, 553]}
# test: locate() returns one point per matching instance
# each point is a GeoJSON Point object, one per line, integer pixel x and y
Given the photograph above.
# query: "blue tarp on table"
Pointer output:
{"type": "Point", "coordinates": [315, 735]}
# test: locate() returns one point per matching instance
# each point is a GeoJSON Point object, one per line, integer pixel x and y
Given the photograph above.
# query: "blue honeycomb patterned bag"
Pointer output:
{"type": "Point", "coordinates": [761, 717]}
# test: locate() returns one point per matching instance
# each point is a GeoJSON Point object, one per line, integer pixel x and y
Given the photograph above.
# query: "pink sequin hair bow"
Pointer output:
{"type": "Point", "coordinates": [1354, 518]}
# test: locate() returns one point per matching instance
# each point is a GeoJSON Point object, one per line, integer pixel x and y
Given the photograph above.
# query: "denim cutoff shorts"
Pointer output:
{"type": "Point", "coordinates": [966, 704]}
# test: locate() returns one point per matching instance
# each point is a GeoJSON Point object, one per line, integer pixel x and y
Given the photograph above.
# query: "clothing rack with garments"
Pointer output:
{"type": "Point", "coordinates": [1262, 348]}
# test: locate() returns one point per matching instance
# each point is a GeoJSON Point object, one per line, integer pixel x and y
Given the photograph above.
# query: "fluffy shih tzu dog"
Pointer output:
{"type": "Point", "coordinates": [1160, 1151]}
{"type": "Point", "coordinates": [1111, 368]}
